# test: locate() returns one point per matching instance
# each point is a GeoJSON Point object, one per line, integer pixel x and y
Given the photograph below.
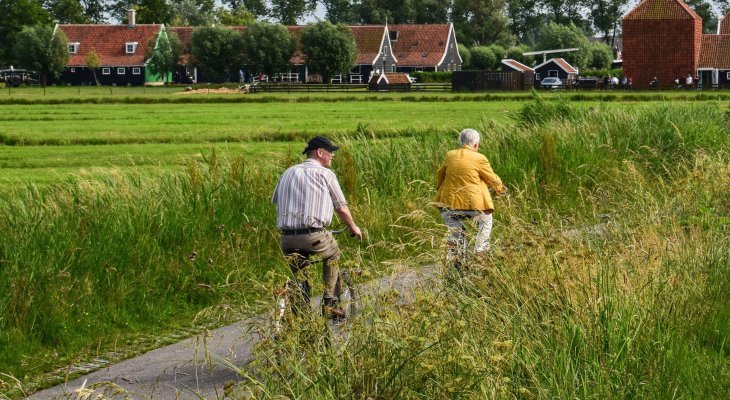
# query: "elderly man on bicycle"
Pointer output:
{"type": "Point", "coordinates": [463, 183]}
{"type": "Point", "coordinates": [306, 197]}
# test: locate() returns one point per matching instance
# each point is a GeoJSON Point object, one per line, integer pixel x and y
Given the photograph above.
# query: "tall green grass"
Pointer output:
{"type": "Point", "coordinates": [609, 277]}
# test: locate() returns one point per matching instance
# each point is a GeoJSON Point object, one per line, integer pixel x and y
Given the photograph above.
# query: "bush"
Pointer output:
{"type": "Point", "coordinates": [465, 57]}
{"type": "Point", "coordinates": [432, 77]}
{"type": "Point", "coordinates": [515, 53]}
{"type": "Point", "coordinates": [483, 57]}
{"type": "Point", "coordinates": [599, 56]}
{"type": "Point", "coordinates": [601, 72]}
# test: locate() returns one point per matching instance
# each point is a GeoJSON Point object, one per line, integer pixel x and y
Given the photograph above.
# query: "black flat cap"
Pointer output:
{"type": "Point", "coordinates": [319, 142]}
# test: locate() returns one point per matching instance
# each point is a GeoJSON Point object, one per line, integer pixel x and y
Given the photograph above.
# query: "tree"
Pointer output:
{"type": "Point", "coordinates": [42, 48]}
{"type": "Point", "coordinates": [329, 49]}
{"type": "Point", "coordinates": [154, 12]}
{"type": "Point", "coordinates": [216, 51]}
{"type": "Point", "coordinates": [515, 53]}
{"type": "Point", "coordinates": [14, 15]}
{"type": "Point", "coordinates": [235, 17]}
{"type": "Point", "coordinates": [465, 57]}
{"type": "Point", "coordinates": [289, 11]}
{"type": "Point", "coordinates": [565, 12]}
{"type": "Point", "coordinates": [94, 10]}
{"type": "Point", "coordinates": [599, 56]}
{"type": "Point", "coordinates": [481, 22]}
{"type": "Point", "coordinates": [606, 15]}
{"type": "Point", "coordinates": [556, 36]}
{"type": "Point", "coordinates": [165, 57]}
{"type": "Point", "coordinates": [402, 12]}
{"type": "Point", "coordinates": [704, 9]}
{"type": "Point", "coordinates": [483, 58]}
{"type": "Point", "coordinates": [256, 7]}
{"type": "Point", "coordinates": [192, 12]}
{"type": "Point", "coordinates": [93, 62]}
{"type": "Point", "coordinates": [67, 12]}
{"type": "Point", "coordinates": [339, 11]}
{"type": "Point", "coordinates": [525, 18]}
{"type": "Point", "coordinates": [268, 46]}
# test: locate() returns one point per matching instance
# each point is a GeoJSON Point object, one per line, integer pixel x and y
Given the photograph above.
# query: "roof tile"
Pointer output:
{"type": "Point", "coordinates": [420, 45]}
{"type": "Point", "coordinates": [715, 52]}
{"type": "Point", "coordinates": [661, 9]}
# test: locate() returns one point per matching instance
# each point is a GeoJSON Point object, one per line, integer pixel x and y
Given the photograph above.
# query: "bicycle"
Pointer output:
{"type": "Point", "coordinates": [294, 297]}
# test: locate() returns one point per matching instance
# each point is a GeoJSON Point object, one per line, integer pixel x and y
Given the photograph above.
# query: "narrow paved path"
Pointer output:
{"type": "Point", "coordinates": [199, 367]}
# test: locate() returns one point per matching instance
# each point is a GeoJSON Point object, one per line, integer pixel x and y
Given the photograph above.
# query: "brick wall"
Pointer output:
{"type": "Point", "coordinates": [667, 49]}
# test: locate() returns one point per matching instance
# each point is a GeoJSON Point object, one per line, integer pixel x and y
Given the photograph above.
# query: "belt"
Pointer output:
{"type": "Point", "coordinates": [302, 231]}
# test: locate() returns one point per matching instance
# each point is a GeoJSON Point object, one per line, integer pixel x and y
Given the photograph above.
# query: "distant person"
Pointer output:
{"type": "Point", "coordinates": [306, 196]}
{"type": "Point", "coordinates": [462, 184]}
{"type": "Point", "coordinates": [654, 83]}
{"type": "Point", "coordinates": [614, 81]}
{"type": "Point", "coordinates": [688, 81]}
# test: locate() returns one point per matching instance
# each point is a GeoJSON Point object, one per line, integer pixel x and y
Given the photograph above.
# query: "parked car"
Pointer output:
{"type": "Point", "coordinates": [551, 83]}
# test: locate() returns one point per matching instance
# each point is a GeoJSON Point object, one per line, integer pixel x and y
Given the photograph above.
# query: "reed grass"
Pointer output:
{"type": "Point", "coordinates": [609, 277]}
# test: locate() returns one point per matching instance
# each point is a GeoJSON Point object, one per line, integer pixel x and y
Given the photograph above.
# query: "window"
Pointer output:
{"type": "Point", "coordinates": [537, 76]}
{"type": "Point", "coordinates": [131, 47]}
{"type": "Point", "coordinates": [727, 76]}
{"type": "Point", "coordinates": [356, 70]}
{"type": "Point", "coordinates": [73, 69]}
{"type": "Point", "coordinates": [136, 71]}
{"type": "Point", "coordinates": [106, 71]}
{"type": "Point", "coordinates": [553, 73]}
{"type": "Point", "coordinates": [121, 71]}
{"type": "Point", "coordinates": [73, 48]}
{"type": "Point", "coordinates": [393, 36]}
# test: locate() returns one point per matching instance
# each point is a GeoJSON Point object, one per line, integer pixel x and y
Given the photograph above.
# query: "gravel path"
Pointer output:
{"type": "Point", "coordinates": [199, 367]}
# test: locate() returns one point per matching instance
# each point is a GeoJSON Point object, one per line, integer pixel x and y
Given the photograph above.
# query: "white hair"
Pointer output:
{"type": "Point", "coordinates": [469, 137]}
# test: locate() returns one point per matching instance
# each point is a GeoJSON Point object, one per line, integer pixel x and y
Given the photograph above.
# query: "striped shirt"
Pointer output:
{"type": "Point", "coordinates": [306, 196]}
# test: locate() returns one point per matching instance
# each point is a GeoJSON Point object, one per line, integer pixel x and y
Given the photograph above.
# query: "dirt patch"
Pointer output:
{"type": "Point", "coordinates": [223, 90]}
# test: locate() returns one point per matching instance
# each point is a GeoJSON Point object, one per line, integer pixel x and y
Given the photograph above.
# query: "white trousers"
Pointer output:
{"type": "Point", "coordinates": [454, 220]}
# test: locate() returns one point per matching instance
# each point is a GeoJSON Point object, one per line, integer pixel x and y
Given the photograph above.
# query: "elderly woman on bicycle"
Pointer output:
{"type": "Point", "coordinates": [463, 183]}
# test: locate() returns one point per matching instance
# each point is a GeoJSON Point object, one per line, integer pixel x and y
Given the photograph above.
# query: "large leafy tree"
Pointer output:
{"type": "Point", "coordinates": [94, 10]}
{"type": "Point", "coordinates": [402, 12]}
{"type": "Point", "coordinates": [481, 22]}
{"type": "Point", "coordinates": [268, 47]}
{"type": "Point", "coordinates": [217, 51]}
{"type": "Point", "coordinates": [525, 19]}
{"type": "Point", "coordinates": [192, 12]}
{"type": "Point", "coordinates": [67, 11]}
{"type": "Point", "coordinates": [339, 11]}
{"type": "Point", "coordinates": [165, 56]}
{"type": "Point", "coordinates": [330, 49]}
{"type": "Point", "coordinates": [235, 17]}
{"type": "Point", "coordinates": [556, 36]}
{"type": "Point", "coordinates": [606, 16]}
{"type": "Point", "coordinates": [43, 49]}
{"type": "Point", "coordinates": [289, 11]}
{"type": "Point", "coordinates": [256, 7]}
{"type": "Point", "coordinates": [14, 15]}
{"type": "Point", "coordinates": [569, 11]}
{"type": "Point", "coordinates": [154, 11]}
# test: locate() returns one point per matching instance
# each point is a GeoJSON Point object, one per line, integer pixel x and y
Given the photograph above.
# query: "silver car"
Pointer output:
{"type": "Point", "coordinates": [551, 83]}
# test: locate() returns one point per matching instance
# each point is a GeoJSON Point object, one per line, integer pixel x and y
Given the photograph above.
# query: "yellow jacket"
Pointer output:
{"type": "Point", "coordinates": [463, 181]}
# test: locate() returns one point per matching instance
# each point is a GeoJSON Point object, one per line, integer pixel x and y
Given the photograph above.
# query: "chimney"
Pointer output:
{"type": "Point", "coordinates": [130, 18]}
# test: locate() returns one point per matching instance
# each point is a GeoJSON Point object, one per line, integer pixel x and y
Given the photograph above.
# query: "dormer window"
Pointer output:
{"type": "Point", "coordinates": [393, 36]}
{"type": "Point", "coordinates": [73, 48]}
{"type": "Point", "coordinates": [131, 47]}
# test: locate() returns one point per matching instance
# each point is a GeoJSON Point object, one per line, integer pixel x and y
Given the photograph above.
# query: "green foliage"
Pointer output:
{"type": "Point", "coordinates": [268, 46]}
{"type": "Point", "coordinates": [483, 58]}
{"type": "Point", "coordinates": [163, 54]}
{"type": "Point", "coordinates": [287, 12]}
{"type": "Point", "coordinates": [600, 56]}
{"type": "Point", "coordinates": [235, 17]}
{"type": "Point", "coordinates": [43, 49]}
{"type": "Point", "coordinates": [217, 51]}
{"type": "Point", "coordinates": [515, 53]}
{"type": "Point", "coordinates": [93, 62]}
{"type": "Point", "coordinates": [67, 12]}
{"type": "Point", "coordinates": [555, 36]}
{"type": "Point", "coordinates": [330, 49]}
{"type": "Point", "coordinates": [465, 57]}
{"type": "Point", "coordinates": [14, 16]}
{"type": "Point", "coordinates": [499, 52]}
{"type": "Point", "coordinates": [154, 12]}
{"type": "Point", "coordinates": [479, 22]}
{"type": "Point", "coordinates": [432, 76]}
{"type": "Point", "coordinates": [194, 13]}
{"type": "Point", "coordinates": [601, 72]}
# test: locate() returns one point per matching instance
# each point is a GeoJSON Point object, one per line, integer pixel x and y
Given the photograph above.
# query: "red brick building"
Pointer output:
{"type": "Point", "coordinates": [662, 39]}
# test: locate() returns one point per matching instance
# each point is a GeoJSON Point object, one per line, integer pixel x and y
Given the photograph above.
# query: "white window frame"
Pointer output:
{"type": "Point", "coordinates": [727, 75]}
{"type": "Point", "coordinates": [106, 71]}
{"type": "Point", "coordinates": [136, 71]}
{"type": "Point", "coordinates": [72, 69]}
{"type": "Point", "coordinates": [537, 76]}
{"type": "Point", "coordinates": [121, 71]}
{"type": "Point", "coordinates": [550, 73]}
{"type": "Point", "coordinates": [131, 46]}
{"type": "Point", "coordinates": [73, 48]}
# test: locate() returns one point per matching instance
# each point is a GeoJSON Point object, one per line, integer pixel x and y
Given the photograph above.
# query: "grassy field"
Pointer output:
{"type": "Point", "coordinates": [610, 277]}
